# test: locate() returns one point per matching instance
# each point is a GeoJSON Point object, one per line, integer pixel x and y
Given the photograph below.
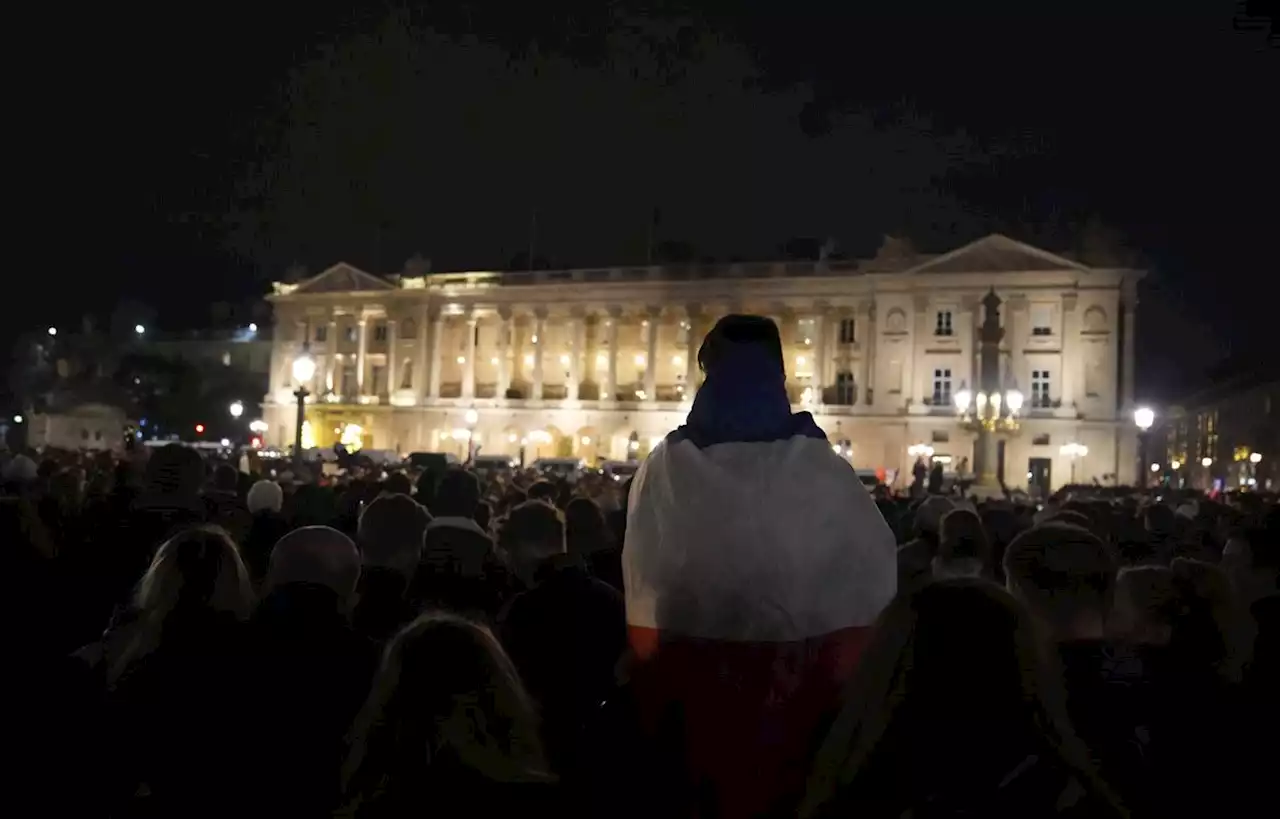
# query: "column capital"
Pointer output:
{"type": "Point", "coordinates": [1017, 301]}
{"type": "Point", "coordinates": [505, 313]}
{"type": "Point", "coordinates": [614, 311]}
{"type": "Point", "coordinates": [540, 313]}
{"type": "Point", "coordinates": [578, 313]}
{"type": "Point", "coordinates": [653, 311]}
{"type": "Point", "coordinates": [1069, 301]}
{"type": "Point", "coordinates": [970, 302]}
{"type": "Point", "coordinates": [692, 310]}
{"type": "Point", "coordinates": [822, 308]}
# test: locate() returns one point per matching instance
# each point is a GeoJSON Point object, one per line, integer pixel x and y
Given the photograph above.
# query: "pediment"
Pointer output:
{"type": "Point", "coordinates": [997, 254]}
{"type": "Point", "coordinates": [343, 278]}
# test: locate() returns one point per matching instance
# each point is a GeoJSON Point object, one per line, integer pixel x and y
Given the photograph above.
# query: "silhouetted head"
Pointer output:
{"type": "Point", "coordinates": [738, 339]}
{"type": "Point", "coordinates": [319, 555]}
{"type": "Point", "coordinates": [390, 532]}
{"type": "Point", "coordinates": [456, 495]}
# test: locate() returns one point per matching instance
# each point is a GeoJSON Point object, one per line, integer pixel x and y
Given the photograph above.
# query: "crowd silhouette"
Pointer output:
{"type": "Point", "coordinates": [188, 640]}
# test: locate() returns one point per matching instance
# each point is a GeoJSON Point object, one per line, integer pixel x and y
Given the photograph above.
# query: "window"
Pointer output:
{"type": "Point", "coordinates": [322, 333]}
{"type": "Point", "coordinates": [846, 331]}
{"type": "Point", "coordinates": [406, 374]}
{"type": "Point", "coordinates": [940, 436]}
{"type": "Point", "coordinates": [379, 376]}
{"type": "Point", "coordinates": [942, 326]}
{"type": "Point", "coordinates": [1040, 440]}
{"type": "Point", "coordinates": [380, 331]}
{"type": "Point", "coordinates": [1040, 389]}
{"type": "Point", "coordinates": [942, 385]}
{"type": "Point", "coordinates": [846, 389]}
{"type": "Point", "coordinates": [352, 332]}
{"type": "Point", "coordinates": [1041, 320]}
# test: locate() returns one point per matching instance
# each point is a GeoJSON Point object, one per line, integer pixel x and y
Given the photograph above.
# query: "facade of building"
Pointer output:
{"type": "Point", "coordinates": [91, 426]}
{"type": "Point", "coordinates": [601, 363]}
{"type": "Point", "coordinates": [1228, 437]}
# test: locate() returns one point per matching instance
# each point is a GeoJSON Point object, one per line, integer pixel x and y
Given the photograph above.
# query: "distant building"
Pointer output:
{"type": "Point", "coordinates": [83, 426]}
{"type": "Point", "coordinates": [244, 349]}
{"type": "Point", "coordinates": [1235, 426]}
{"type": "Point", "coordinates": [602, 363]}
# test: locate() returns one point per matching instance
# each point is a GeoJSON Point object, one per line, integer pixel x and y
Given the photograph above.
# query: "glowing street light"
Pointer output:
{"type": "Point", "coordinates": [1255, 457]}
{"type": "Point", "coordinates": [1075, 451]}
{"type": "Point", "coordinates": [1155, 467]}
{"type": "Point", "coordinates": [1206, 462]}
{"type": "Point", "coordinates": [236, 409]}
{"type": "Point", "coordinates": [139, 329]}
{"type": "Point", "coordinates": [1144, 417]}
{"type": "Point", "coordinates": [53, 331]}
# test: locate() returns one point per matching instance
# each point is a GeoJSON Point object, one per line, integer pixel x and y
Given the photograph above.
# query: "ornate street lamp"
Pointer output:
{"type": "Point", "coordinates": [1074, 451]}
{"type": "Point", "coordinates": [1143, 418]}
{"type": "Point", "coordinates": [471, 417]}
{"type": "Point", "coordinates": [991, 412]}
{"type": "Point", "coordinates": [304, 369]}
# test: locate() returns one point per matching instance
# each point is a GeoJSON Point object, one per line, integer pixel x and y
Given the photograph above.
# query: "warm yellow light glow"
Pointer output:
{"type": "Point", "coordinates": [534, 339]}
{"type": "Point", "coordinates": [586, 440]}
{"type": "Point", "coordinates": [471, 417]}
{"type": "Point", "coordinates": [1255, 457]}
{"type": "Point", "coordinates": [1175, 464]}
{"type": "Point", "coordinates": [308, 436]}
{"type": "Point", "coordinates": [564, 359]}
{"type": "Point", "coordinates": [494, 361]}
{"type": "Point", "coordinates": [352, 437]}
{"type": "Point", "coordinates": [639, 359]}
{"type": "Point", "coordinates": [1206, 462]}
{"type": "Point", "coordinates": [602, 361]}
{"type": "Point", "coordinates": [462, 359]}
{"type": "Point", "coordinates": [461, 434]}
{"type": "Point", "coordinates": [528, 360]}
{"type": "Point", "coordinates": [677, 360]}
{"type": "Point", "coordinates": [511, 437]}
{"type": "Point", "coordinates": [540, 436]}
{"type": "Point", "coordinates": [800, 361]}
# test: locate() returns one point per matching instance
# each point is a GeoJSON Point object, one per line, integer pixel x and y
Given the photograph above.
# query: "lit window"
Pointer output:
{"type": "Point", "coordinates": [847, 328]}
{"type": "Point", "coordinates": [846, 388]}
{"type": "Point", "coordinates": [322, 333]}
{"type": "Point", "coordinates": [942, 386]}
{"type": "Point", "coordinates": [1040, 389]}
{"type": "Point", "coordinates": [942, 324]}
{"type": "Point", "coordinates": [380, 331]}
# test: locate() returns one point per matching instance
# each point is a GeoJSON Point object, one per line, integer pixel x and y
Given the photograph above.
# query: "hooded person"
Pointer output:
{"type": "Point", "coordinates": [754, 565]}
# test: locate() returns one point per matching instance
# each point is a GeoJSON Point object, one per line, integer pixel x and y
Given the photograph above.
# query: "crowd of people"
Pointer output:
{"type": "Point", "coordinates": [742, 630]}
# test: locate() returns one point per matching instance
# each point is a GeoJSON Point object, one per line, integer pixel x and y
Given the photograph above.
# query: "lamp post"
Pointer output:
{"type": "Point", "coordinates": [471, 418]}
{"type": "Point", "coordinates": [1255, 458]}
{"type": "Point", "coordinates": [990, 409]}
{"type": "Point", "coordinates": [304, 369]}
{"type": "Point", "coordinates": [1143, 418]}
{"type": "Point", "coordinates": [1074, 451]}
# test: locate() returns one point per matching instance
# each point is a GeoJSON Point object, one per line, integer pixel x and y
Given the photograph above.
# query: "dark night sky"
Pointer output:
{"type": "Point", "coordinates": [187, 159]}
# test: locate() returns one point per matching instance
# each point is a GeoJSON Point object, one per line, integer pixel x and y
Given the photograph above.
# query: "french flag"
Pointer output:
{"type": "Point", "coordinates": [755, 563]}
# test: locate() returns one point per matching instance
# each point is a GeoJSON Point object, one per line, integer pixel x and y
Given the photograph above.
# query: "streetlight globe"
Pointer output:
{"type": "Point", "coordinates": [1206, 462]}
{"type": "Point", "coordinates": [1155, 467]}
{"type": "Point", "coordinates": [139, 329]}
{"type": "Point", "coordinates": [1013, 400]}
{"type": "Point", "coordinates": [471, 417]}
{"type": "Point", "coordinates": [1144, 417]}
{"type": "Point", "coordinates": [236, 409]}
{"type": "Point", "coordinates": [1175, 464]}
{"type": "Point", "coordinates": [53, 331]}
{"type": "Point", "coordinates": [304, 368]}
{"type": "Point", "coordinates": [1255, 457]}
{"type": "Point", "coordinates": [962, 399]}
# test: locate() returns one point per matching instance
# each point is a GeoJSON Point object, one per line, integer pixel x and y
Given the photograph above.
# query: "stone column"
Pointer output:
{"type": "Point", "coordinates": [1130, 295]}
{"type": "Point", "coordinates": [331, 353]}
{"type": "Point", "coordinates": [611, 334]}
{"type": "Point", "coordinates": [469, 366]}
{"type": "Point", "coordinates": [577, 342]}
{"type": "Point", "coordinates": [591, 347]}
{"type": "Point", "coordinates": [821, 352]}
{"type": "Point", "coordinates": [968, 332]}
{"type": "Point", "coordinates": [505, 330]}
{"type": "Point", "coordinates": [916, 377]}
{"type": "Point", "coordinates": [539, 327]}
{"type": "Point", "coordinates": [517, 352]}
{"type": "Point", "coordinates": [651, 355]}
{"type": "Point", "coordinates": [865, 335]}
{"type": "Point", "coordinates": [693, 314]}
{"type": "Point", "coordinates": [437, 355]}
{"type": "Point", "coordinates": [1071, 354]}
{"type": "Point", "coordinates": [362, 354]}
{"type": "Point", "coordinates": [421, 367]}
{"type": "Point", "coordinates": [1016, 324]}
{"type": "Point", "coordinates": [393, 358]}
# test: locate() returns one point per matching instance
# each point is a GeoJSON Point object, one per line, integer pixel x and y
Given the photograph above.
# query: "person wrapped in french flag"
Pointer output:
{"type": "Point", "coordinates": [755, 563]}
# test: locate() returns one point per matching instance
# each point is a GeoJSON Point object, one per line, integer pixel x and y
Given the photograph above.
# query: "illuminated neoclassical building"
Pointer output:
{"type": "Point", "coordinates": [601, 363]}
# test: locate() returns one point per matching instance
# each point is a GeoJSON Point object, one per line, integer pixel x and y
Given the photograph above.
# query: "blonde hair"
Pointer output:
{"type": "Point", "coordinates": [197, 568]}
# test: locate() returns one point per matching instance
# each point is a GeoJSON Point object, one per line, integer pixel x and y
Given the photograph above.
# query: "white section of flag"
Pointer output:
{"type": "Point", "coordinates": [771, 542]}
